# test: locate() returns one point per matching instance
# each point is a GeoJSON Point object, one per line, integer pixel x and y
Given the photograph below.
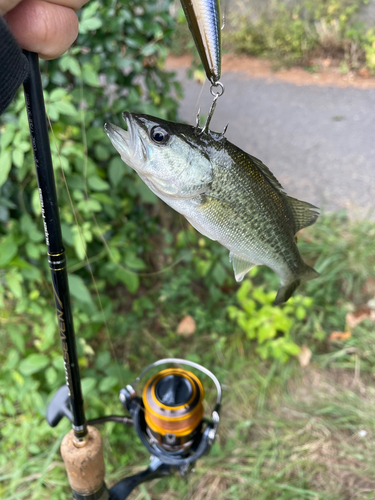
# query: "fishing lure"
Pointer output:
{"type": "Point", "coordinates": [203, 17]}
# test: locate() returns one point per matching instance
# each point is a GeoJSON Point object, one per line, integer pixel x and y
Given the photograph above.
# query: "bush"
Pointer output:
{"type": "Point", "coordinates": [116, 65]}
{"type": "Point", "coordinates": [293, 33]}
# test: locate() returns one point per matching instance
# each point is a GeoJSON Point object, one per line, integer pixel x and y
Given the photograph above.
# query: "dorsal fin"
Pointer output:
{"type": "Point", "coordinates": [304, 214]}
{"type": "Point", "coordinates": [267, 172]}
{"type": "Point", "coordinates": [240, 266]}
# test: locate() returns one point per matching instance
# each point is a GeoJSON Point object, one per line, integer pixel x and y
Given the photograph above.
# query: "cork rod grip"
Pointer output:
{"type": "Point", "coordinates": [84, 465]}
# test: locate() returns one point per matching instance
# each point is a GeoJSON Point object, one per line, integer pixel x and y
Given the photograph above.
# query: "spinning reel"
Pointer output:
{"type": "Point", "coordinates": [168, 418]}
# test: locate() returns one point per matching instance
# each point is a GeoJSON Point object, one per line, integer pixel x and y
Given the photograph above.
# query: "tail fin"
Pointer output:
{"type": "Point", "coordinates": [285, 292]}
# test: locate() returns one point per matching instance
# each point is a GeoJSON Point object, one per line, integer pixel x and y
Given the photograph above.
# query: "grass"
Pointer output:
{"type": "Point", "coordinates": [286, 432]}
{"type": "Point", "coordinates": [294, 438]}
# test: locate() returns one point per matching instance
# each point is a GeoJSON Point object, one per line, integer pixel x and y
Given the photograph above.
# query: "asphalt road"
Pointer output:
{"type": "Point", "coordinates": [318, 141]}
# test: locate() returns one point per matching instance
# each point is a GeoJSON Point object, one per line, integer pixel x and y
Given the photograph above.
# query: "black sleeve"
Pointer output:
{"type": "Point", "coordinates": [13, 65]}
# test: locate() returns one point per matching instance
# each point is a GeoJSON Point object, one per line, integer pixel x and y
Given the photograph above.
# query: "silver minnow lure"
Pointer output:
{"type": "Point", "coordinates": [204, 20]}
{"type": "Point", "coordinates": [225, 193]}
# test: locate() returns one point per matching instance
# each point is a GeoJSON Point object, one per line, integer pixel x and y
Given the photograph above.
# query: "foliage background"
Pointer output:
{"type": "Point", "coordinates": [297, 32]}
{"type": "Point", "coordinates": [106, 212]}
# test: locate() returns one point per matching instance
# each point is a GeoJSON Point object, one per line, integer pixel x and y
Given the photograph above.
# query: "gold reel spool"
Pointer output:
{"type": "Point", "coordinates": [173, 403]}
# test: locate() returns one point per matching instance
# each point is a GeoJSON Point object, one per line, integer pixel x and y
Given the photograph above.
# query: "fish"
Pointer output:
{"type": "Point", "coordinates": [225, 193]}
{"type": "Point", "coordinates": [204, 19]}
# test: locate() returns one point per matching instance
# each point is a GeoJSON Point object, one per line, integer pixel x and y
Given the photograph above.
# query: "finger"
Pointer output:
{"type": "Point", "coordinates": [73, 4]}
{"type": "Point", "coordinates": [43, 27]}
{"type": "Point", "coordinates": [7, 5]}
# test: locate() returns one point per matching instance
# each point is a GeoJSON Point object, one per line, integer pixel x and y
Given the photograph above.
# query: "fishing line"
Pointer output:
{"type": "Point", "coordinates": [200, 96]}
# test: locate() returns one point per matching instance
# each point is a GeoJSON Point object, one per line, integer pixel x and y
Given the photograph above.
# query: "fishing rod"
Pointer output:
{"type": "Point", "coordinates": [168, 416]}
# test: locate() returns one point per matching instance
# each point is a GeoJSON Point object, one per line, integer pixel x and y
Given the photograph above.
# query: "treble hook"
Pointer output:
{"type": "Point", "coordinates": [216, 96]}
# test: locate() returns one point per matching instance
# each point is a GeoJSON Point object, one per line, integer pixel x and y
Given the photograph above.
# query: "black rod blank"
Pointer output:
{"type": "Point", "coordinates": [52, 229]}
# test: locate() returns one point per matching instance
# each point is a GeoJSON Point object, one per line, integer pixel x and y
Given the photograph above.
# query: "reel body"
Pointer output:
{"type": "Point", "coordinates": [169, 418]}
{"type": "Point", "coordinates": [173, 403]}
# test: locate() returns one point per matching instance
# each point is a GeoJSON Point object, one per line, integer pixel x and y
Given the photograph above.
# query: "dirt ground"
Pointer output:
{"type": "Point", "coordinates": [326, 71]}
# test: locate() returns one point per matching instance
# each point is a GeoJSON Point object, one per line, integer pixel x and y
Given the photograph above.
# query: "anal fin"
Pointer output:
{"type": "Point", "coordinates": [240, 266]}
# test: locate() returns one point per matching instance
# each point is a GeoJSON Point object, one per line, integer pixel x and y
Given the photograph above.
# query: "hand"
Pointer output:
{"type": "Point", "coordinates": [46, 27]}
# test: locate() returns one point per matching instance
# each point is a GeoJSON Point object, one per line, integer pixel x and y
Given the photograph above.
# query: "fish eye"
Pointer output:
{"type": "Point", "coordinates": [159, 135]}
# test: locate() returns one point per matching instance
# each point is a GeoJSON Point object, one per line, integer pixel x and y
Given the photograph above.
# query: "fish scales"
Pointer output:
{"type": "Point", "coordinates": [225, 193]}
{"type": "Point", "coordinates": [253, 208]}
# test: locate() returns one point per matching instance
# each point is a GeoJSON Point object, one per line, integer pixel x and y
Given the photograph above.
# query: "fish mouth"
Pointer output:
{"type": "Point", "coordinates": [128, 141]}
{"type": "Point", "coordinates": [121, 138]}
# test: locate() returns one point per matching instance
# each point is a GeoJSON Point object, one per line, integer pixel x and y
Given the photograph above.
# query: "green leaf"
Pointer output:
{"type": "Point", "coordinates": [18, 157]}
{"type": "Point", "coordinates": [107, 383]}
{"type": "Point", "coordinates": [9, 407]}
{"type": "Point", "coordinates": [79, 290]}
{"type": "Point", "coordinates": [116, 170]}
{"type": "Point", "coordinates": [8, 249]}
{"type": "Point", "coordinates": [129, 279]}
{"type": "Point", "coordinates": [101, 152]}
{"type": "Point", "coordinates": [90, 76]}
{"type": "Point", "coordinates": [51, 375]}
{"type": "Point", "coordinates": [89, 206]}
{"type": "Point", "coordinates": [33, 364]}
{"type": "Point", "coordinates": [90, 25]}
{"type": "Point", "coordinates": [219, 274]}
{"type": "Point", "coordinates": [103, 198]}
{"type": "Point", "coordinates": [66, 108]}
{"type": "Point", "coordinates": [148, 50]}
{"type": "Point", "coordinates": [52, 111]}
{"type": "Point", "coordinates": [88, 385]}
{"type": "Point", "coordinates": [7, 136]}
{"type": "Point", "coordinates": [6, 165]}
{"type": "Point", "coordinates": [14, 283]}
{"type": "Point", "coordinates": [69, 63]}
{"type": "Point", "coordinates": [35, 202]}
{"type": "Point", "coordinates": [12, 360]}
{"type": "Point", "coordinates": [17, 337]}
{"type": "Point", "coordinates": [102, 360]}
{"type": "Point", "coordinates": [80, 246]}
{"type": "Point", "coordinates": [134, 262]}
{"type": "Point", "coordinates": [97, 184]}
{"type": "Point", "coordinates": [67, 234]}
{"type": "Point", "coordinates": [147, 196]}
{"type": "Point", "coordinates": [300, 313]}
{"type": "Point", "coordinates": [57, 94]}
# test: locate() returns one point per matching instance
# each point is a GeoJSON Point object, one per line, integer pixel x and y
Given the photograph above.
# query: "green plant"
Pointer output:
{"type": "Point", "coordinates": [293, 33]}
{"type": "Point", "coordinates": [115, 65]}
{"type": "Point", "coordinates": [270, 326]}
{"type": "Point", "coordinates": [369, 47]}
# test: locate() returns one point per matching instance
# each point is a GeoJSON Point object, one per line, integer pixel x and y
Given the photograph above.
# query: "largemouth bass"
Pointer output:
{"type": "Point", "coordinates": [226, 194]}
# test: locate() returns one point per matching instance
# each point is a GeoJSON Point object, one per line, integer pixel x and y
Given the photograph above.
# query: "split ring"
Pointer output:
{"type": "Point", "coordinates": [214, 86]}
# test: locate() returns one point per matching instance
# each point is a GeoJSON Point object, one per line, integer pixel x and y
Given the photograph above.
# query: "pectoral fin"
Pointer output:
{"type": "Point", "coordinates": [240, 266]}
